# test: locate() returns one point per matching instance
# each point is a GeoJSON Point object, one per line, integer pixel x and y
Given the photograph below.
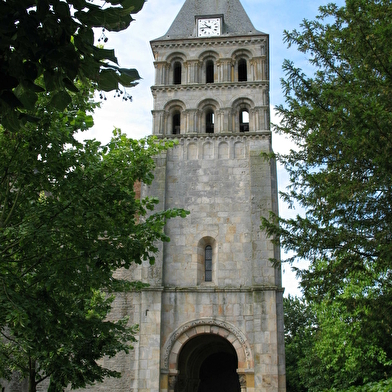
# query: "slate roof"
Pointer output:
{"type": "Point", "coordinates": [236, 21]}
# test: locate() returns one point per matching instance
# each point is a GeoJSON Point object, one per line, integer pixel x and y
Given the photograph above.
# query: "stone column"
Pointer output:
{"type": "Point", "coordinates": [253, 120]}
{"type": "Point", "coordinates": [192, 120]}
{"type": "Point", "coordinates": [258, 120]}
{"type": "Point", "coordinates": [219, 121]}
{"type": "Point", "coordinates": [166, 123]}
{"type": "Point", "coordinates": [242, 379]}
{"type": "Point", "coordinates": [173, 378]}
{"type": "Point", "coordinates": [225, 119]}
{"type": "Point", "coordinates": [257, 68]}
{"type": "Point", "coordinates": [192, 67]}
{"type": "Point", "coordinates": [234, 125]}
{"type": "Point", "coordinates": [161, 71]}
{"type": "Point", "coordinates": [224, 70]}
{"type": "Point", "coordinates": [158, 122]}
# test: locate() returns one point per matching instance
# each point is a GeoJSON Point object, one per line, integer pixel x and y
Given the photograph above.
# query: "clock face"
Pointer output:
{"type": "Point", "coordinates": [208, 27]}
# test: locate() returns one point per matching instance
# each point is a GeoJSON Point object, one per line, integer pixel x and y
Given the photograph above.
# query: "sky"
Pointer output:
{"type": "Point", "coordinates": [133, 50]}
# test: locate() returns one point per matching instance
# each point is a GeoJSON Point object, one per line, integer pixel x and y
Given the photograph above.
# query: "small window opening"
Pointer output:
{"type": "Point", "coordinates": [244, 121]}
{"type": "Point", "coordinates": [210, 71]}
{"type": "Point", "coordinates": [242, 73]}
{"type": "Point", "coordinates": [208, 263]}
{"type": "Point", "coordinates": [177, 73]}
{"type": "Point", "coordinates": [210, 118]}
{"type": "Point", "coordinates": [176, 123]}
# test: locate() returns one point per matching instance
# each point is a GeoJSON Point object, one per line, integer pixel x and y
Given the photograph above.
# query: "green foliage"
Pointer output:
{"type": "Point", "coordinates": [55, 39]}
{"type": "Point", "coordinates": [381, 386]}
{"type": "Point", "coordinates": [340, 119]}
{"type": "Point", "coordinates": [68, 219]}
{"type": "Point", "coordinates": [300, 328]}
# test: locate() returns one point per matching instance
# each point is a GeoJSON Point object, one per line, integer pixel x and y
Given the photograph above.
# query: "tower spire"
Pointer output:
{"type": "Point", "coordinates": [235, 19]}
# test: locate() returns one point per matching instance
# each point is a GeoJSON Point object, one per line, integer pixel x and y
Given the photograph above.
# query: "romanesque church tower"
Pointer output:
{"type": "Point", "coordinates": [212, 319]}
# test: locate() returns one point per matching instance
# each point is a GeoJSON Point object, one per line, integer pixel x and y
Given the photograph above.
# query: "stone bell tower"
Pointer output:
{"type": "Point", "coordinates": [212, 318]}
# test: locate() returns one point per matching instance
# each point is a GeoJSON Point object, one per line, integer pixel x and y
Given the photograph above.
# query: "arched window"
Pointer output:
{"type": "Point", "coordinates": [244, 120]}
{"type": "Point", "coordinates": [209, 71]}
{"type": "Point", "coordinates": [210, 119]}
{"type": "Point", "coordinates": [208, 263]}
{"type": "Point", "coordinates": [177, 73]}
{"type": "Point", "coordinates": [176, 123]}
{"type": "Point", "coordinates": [242, 72]}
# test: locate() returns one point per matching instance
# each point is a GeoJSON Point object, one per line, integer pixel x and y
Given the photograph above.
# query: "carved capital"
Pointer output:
{"type": "Point", "coordinates": [172, 381]}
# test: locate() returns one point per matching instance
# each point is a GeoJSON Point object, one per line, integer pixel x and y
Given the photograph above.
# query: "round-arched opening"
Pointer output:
{"type": "Point", "coordinates": [244, 120]}
{"type": "Point", "coordinates": [208, 363]}
{"type": "Point", "coordinates": [210, 121]}
{"type": "Point", "coordinates": [209, 71]}
{"type": "Point", "coordinates": [177, 73]}
{"type": "Point", "coordinates": [208, 263]}
{"type": "Point", "coordinates": [176, 123]}
{"type": "Point", "coordinates": [242, 71]}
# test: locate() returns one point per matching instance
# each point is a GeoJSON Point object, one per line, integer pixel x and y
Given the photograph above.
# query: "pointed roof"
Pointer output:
{"type": "Point", "coordinates": [235, 19]}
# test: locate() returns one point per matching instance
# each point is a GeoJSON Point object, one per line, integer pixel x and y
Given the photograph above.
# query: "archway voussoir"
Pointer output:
{"type": "Point", "coordinates": [236, 344]}
{"type": "Point", "coordinates": [173, 361]}
{"type": "Point", "coordinates": [176, 347]}
{"type": "Point", "coordinates": [231, 338]}
{"type": "Point", "coordinates": [224, 333]}
{"type": "Point", "coordinates": [191, 332]}
{"type": "Point", "coordinates": [201, 329]}
{"type": "Point", "coordinates": [183, 338]}
{"type": "Point", "coordinates": [215, 329]}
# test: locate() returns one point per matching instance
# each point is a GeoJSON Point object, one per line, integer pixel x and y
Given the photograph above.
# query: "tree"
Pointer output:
{"type": "Point", "coordinates": [340, 118]}
{"type": "Point", "coordinates": [68, 219]}
{"type": "Point", "coordinates": [69, 215]}
{"type": "Point", "coordinates": [54, 39]}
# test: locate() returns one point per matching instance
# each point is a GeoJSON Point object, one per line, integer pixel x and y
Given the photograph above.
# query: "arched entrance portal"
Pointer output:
{"type": "Point", "coordinates": [195, 347]}
{"type": "Point", "coordinates": [208, 363]}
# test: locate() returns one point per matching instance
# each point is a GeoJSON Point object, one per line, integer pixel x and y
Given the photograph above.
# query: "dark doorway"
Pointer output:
{"type": "Point", "coordinates": [208, 363]}
{"type": "Point", "coordinates": [218, 374]}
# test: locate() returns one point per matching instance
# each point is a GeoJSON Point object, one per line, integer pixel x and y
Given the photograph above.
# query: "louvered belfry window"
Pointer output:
{"type": "Point", "coordinates": [208, 263]}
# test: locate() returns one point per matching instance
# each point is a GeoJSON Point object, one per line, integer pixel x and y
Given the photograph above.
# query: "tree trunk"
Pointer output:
{"type": "Point", "coordinates": [32, 383]}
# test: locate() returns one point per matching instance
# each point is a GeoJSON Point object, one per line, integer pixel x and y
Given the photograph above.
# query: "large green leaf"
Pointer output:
{"type": "Point", "coordinates": [104, 54]}
{"type": "Point", "coordinates": [108, 80]}
{"type": "Point", "coordinates": [26, 96]}
{"type": "Point", "coordinates": [60, 100]}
